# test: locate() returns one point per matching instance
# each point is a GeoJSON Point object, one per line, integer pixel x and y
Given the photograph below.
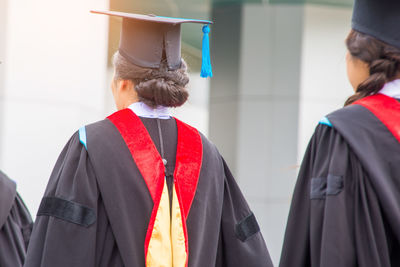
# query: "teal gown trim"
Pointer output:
{"type": "Point", "coordinates": [82, 136]}
{"type": "Point", "coordinates": [325, 121]}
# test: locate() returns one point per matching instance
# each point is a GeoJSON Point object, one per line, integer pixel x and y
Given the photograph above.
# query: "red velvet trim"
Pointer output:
{"type": "Point", "coordinates": [146, 157]}
{"type": "Point", "coordinates": [386, 109]}
{"type": "Point", "coordinates": [189, 156]}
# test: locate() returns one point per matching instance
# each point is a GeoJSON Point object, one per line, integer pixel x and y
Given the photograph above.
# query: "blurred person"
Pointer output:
{"type": "Point", "coordinates": [142, 188]}
{"type": "Point", "coordinates": [346, 205]}
{"type": "Point", "coordinates": [15, 225]}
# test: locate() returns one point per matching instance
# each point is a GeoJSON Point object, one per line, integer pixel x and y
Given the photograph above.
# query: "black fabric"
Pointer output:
{"type": "Point", "coordinates": [318, 188]}
{"type": "Point", "coordinates": [335, 185]}
{"type": "Point", "coordinates": [356, 223]}
{"type": "Point", "coordinates": [106, 179]}
{"type": "Point", "coordinates": [56, 242]}
{"type": "Point", "coordinates": [378, 18]}
{"type": "Point", "coordinates": [146, 44]}
{"type": "Point", "coordinates": [67, 210]}
{"type": "Point", "coordinates": [247, 228]}
{"type": "Point", "coordinates": [8, 191]}
{"type": "Point", "coordinates": [169, 132]}
{"type": "Point", "coordinates": [16, 228]}
{"type": "Point", "coordinates": [322, 186]}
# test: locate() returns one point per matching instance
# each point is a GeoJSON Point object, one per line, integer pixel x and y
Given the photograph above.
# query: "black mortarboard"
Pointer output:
{"type": "Point", "coordinates": [378, 18]}
{"type": "Point", "coordinates": [148, 39]}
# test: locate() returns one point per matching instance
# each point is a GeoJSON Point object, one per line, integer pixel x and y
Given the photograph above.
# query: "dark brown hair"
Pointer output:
{"type": "Point", "coordinates": [155, 87]}
{"type": "Point", "coordinates": [383, 61]}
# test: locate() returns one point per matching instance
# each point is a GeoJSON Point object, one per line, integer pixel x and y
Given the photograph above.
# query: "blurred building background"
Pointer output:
{"type": "Point", "coordinates": [279, 66]}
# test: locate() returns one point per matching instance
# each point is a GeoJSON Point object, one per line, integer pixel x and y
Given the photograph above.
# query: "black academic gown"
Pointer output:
{"type": "Point", "coordinates": [97, 207]}
{"type": "Point", "coordinates": [15, 225]}
{"type": "Point", "coordinates": [346, 204]}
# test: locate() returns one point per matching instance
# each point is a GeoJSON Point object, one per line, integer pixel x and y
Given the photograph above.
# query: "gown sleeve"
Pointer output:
{"type": "Point", "coordinates": [335, 218]}
{"type": "Point", "coordinates": [64, 233]}
{"type": "Point", "coordinates": [241, 242]}
{"type": "Point", "coordinates": [14, 235]}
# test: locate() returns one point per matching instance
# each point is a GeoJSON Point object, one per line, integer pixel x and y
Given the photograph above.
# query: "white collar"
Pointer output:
{"type": "Point", "coordinates": [143, 110]}
{"type": "Point", "coordinates": [391, 89]}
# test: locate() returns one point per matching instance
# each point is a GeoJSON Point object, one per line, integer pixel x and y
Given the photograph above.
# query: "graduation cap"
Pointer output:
{"type": "Point", "coordinates": [146, 40]}
{"type": "Point", "coordinates": [378, 18]}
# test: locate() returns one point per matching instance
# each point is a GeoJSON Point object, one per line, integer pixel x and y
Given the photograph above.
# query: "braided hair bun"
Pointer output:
{"type": "Point", "coordinates": [155, 87]}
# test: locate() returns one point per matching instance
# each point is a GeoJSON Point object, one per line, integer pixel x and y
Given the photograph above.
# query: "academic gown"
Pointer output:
{"type": "Point", "coordinates": [15, 225]}
{"type": "Point", "coordinates": [99, 206]}
{"type": "Point", "coordinates": [346, 204]}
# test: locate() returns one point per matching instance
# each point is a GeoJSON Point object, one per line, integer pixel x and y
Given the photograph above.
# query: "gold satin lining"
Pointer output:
{"type": "Point", "coordinates": [159, 252]}
{"type": "Point", "coordinates": [167, 243]}
{"type": "Point", "coordinates": [177, 234]}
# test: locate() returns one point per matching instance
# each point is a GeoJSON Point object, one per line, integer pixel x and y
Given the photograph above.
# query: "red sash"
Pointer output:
{"type": "Point", "coordinates": [386, 109]}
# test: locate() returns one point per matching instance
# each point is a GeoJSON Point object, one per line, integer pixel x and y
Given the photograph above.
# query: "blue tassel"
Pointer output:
{"type": "Point", "coordinates": [206, 69]}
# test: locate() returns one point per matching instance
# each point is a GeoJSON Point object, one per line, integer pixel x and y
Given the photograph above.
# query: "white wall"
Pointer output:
{"type": "Point", "coordinates": [3, 20]}
{"type": "Point", "coordinates": [324, 85]}
{"type": "Point", "coordinates": [268, 112]}
{"type": "Point", "coordinates": [55, 81]}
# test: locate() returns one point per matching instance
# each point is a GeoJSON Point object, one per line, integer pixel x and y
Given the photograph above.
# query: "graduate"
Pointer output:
{"type": "Point", "coordinates": [15, 225]}
{"type": "Point", "coordinates": [142, 188]}
{"type": "Point", "coordinates": [346, 205]}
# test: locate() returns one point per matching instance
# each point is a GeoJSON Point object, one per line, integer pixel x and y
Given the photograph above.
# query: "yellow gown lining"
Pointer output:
{"type": "Point", "coordinates": [167, 243]}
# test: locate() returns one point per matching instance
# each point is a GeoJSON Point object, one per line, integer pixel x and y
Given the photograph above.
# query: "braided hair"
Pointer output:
{"type": "Point", "coordinates": [383, 61]}
{"type": "Point", "coordinates": [155, 87]}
